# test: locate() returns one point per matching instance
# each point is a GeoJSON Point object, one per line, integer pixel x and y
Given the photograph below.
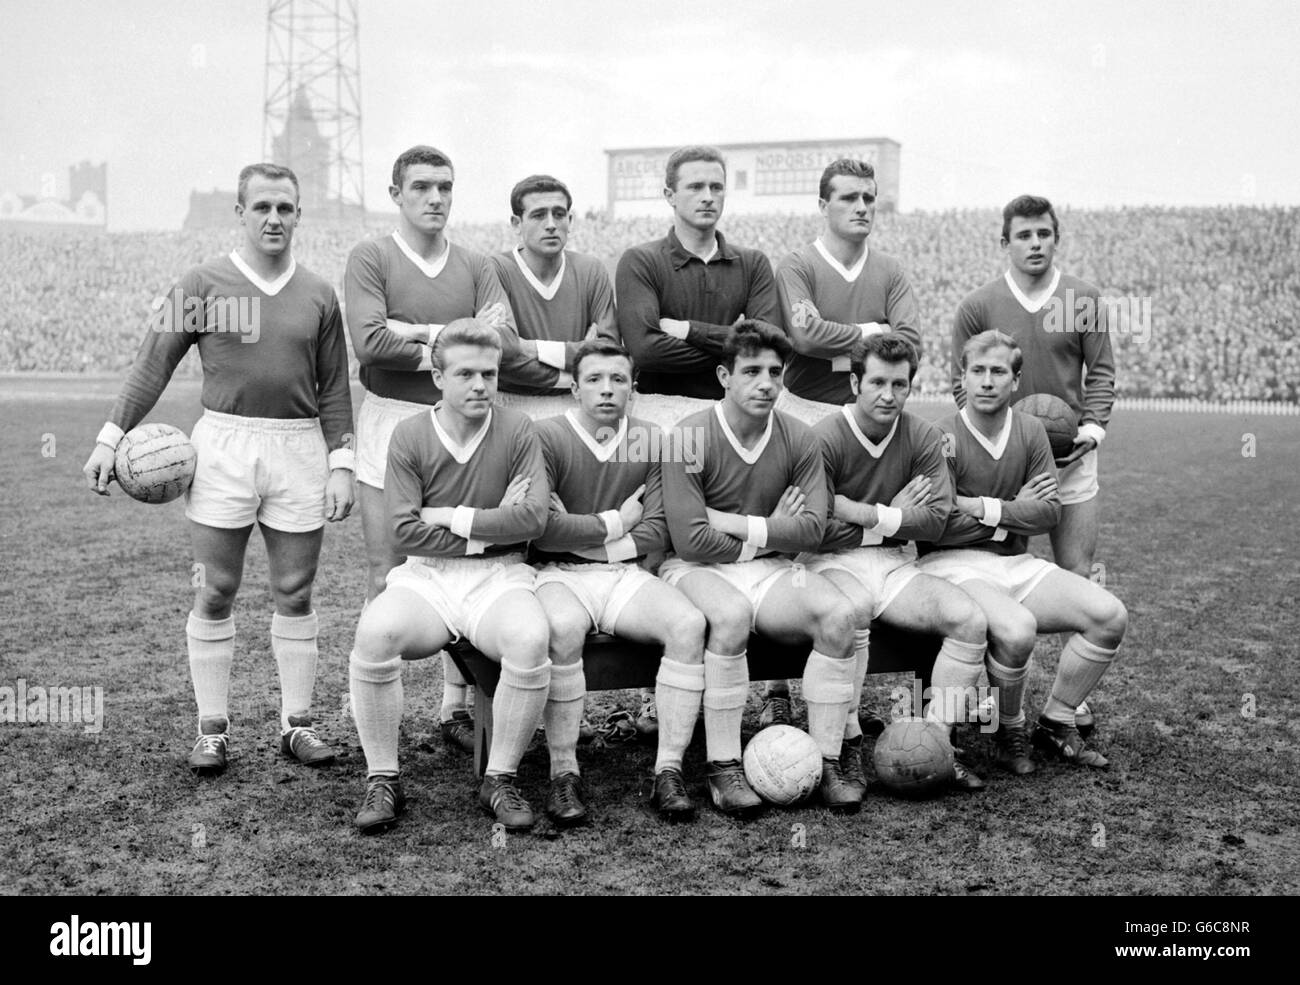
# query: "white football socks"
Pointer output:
{"type": "Point", "coordinates": [953, 679]}
{"type": "Point", "coordinates": [1080, 667]}
{"type": "Point", "coordinates": [679, 689]}
{"type": "Point", "coordinates": [516, 712]}
{"type": "Point", "coordinates": [828, 692]}
{"type": "Point", "coordinates": [293, 641]}
{"type": "Point", "coordinates": [455, 689]}
{"type": "Point", "coordinates": [563, 716]}
{"type": "Point", "coordinates": [1010, 682]}
{"type": "Point", "coordinates": [861, 654]}
{"type": "Point", "coordinates": [377, 710]}
{"type": "Point", "coordinates": [211, 644]}
{"type": "Point", "coordinates": [726, 688]}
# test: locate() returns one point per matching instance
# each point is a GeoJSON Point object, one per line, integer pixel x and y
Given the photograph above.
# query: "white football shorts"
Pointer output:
{"type": "Point", "coordinates": [538, 406]}
{"type": "Point", "coordinates": [258, 469]}
{"type": "Point", "coordinates": [1017, 575]}
{"type": "Point", "coordinates": [1077, 483]}
{"type": "Point", "coordinates": [376, 419]}
{"type": "Point", "coordinates": [753, 579]}
{"type": "Point", "coordinates": [462, 590]}
{"type": "Point", "coordinates": [883, 571]}
{"type": "Point", "coordinates": [603, 589]}
{"type": "Point", "coordinates": [803, 409]}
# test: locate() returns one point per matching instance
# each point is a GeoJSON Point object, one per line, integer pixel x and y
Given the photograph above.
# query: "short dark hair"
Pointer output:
{"type": "Point", "coordinates": [888, 348]}
{"type": "Point", "coordinates": [846, 166]}
{"type": "Point", "coordinates": [463, 331]}
{"type": "Point", "coordinates": [598, 347]}
{"type": "Point", "coordinates": [536, 183]}
{"type": "Point", "coordinates": [992, 339]}
{"type": "Point", "coordinates": [419, 154]}
{"type": "Point", "coordinates": [685, 155]}
{"type": "Point", "coordinates": [1028, 207]}
{"type": "Point", "coordinates": [273, 172]}
{"type": "Point", "coordinates": [750, 337]}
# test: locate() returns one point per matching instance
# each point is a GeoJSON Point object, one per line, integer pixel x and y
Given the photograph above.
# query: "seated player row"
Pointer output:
{"type": "Point", "coordinates": [797, 534]}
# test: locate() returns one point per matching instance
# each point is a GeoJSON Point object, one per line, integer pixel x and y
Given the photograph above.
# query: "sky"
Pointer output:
{"type": "Point", "coordinates": [1096, 104]}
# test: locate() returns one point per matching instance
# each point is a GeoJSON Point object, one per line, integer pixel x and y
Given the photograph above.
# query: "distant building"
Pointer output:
{"type": "Point", "coordinates": [85, 208]}
{"type": "Point", "coordinates": [776, 176]}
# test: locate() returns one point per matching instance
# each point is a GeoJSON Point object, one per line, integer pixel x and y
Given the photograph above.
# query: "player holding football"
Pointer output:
{"type": "Point", "coordinates": [758, 485]}
{"type": "Point", "coordinates": [835, 293]}
{"type": "Point", "coordinates": [399, 292]}
{"type": "Point", "coordinates": [273, 449]}
{"type": "Point", "coordinates": [1061, 329]}
{"type": "Point", "coordinates": [466, 490]}
{"type": "Point", "coordinates": [559, 298]}
{"type": "Point", "coordinates": [607, 512]}
{"type": "Point", "coordinates": [888, 485]}
{"type": "Point", "coordinates": [679, 296]}
{"type": "Point", "coordinates": [1007, 492]}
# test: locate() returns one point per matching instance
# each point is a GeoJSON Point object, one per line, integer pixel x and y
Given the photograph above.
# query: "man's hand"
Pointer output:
{"type": "Point", "coordinates": [1082, 445]}
{"type": "Point", "coordinates": [790, 504]}
{"type": "Point", "coordinates": [557, 504]}
{"type": "Point", "coordinates": [916, 493]}
{"type": "Point", "coordinates": [970, 505]}
{"type": "Point", "coordinates": [517, 491]}
{"type": "Point", "coordinates": [339, 494]}
{"type": "Point", "coordinates": [1040, 487]}
{"type": "Point", "coordinates": [631, 510]}
{"type": "Point", "coordinates": [851, 511]}
{"type": "Point", "coordinates": [409, 332]}
{"type": "Point", "coordinates": [437, 516]}
{"type": "Point", "coordinates": [493, 316]}
{"type": "Point", "coordinates": [802, 313]}
{"type": "Point", "coordinates": [529, 348]}
{"type": "Point", "coordinates": [675, 327]}
{"type": "Point", "coordinates": [98, 469]}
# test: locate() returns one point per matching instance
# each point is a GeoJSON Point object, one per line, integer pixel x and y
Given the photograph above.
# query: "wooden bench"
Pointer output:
{"type": "Point", "coordinates": [612, 664]}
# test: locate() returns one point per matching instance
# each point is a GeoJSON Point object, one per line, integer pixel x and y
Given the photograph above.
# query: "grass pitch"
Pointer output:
{"type": "Point", "coordinates": [1200, 539]}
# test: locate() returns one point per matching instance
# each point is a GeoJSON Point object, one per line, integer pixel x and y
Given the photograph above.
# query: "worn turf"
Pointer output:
{"type": "Point", "coordinates": [1200, 540]}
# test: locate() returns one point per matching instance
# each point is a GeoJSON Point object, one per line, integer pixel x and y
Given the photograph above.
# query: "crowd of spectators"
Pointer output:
{"type": "Point", "coordinates": [1206, 301]}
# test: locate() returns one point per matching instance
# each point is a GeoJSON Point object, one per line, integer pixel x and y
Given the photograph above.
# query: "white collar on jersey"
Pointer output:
{"type": "Point", "coordinates": [603, 452]}
{"type": "Point", "coordinates": [850, 274]}
{"type": "Point", "coordinates": [747, 455]}
{"type": "Point", "coordinates": [874, 450]}
{"type": "Point", "coordinates": [424, 266]}
{"type": "Point", "coordinates": [268, 287]}
{"type": "Point", "coordinates": [462, 453]}
{"type": "Point", "coordinates": [546, 291]}
{"type": "Point", "coordinates": [1033, 307]}
{"type": "Point", "coordinates": [994, 448]}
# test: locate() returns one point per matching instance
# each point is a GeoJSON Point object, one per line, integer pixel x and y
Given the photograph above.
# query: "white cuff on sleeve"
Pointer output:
{"type": "Point", "coordinates": [623, 549]}
{"type": "Point", "coordinates": [757, 531]}
{"type": "Point", "coordinates": [565, 380]}
{"type": "Point", "coordinates": [475, 547]}
{"type": "Point", "coordinates": [888, 520]}
{"type": "Point", "coordinates": [674, 327]}
{"type": "Point", "coordinates": [613, 525]}
{"type": "Point", "coordinates": [1094, 431]}
{"type": "Point", "coordinates": [110, 434]}
{"type": "Point", "coordinates": [433, 332]}
{"type": "Point", "coordinates": [992, 511]}
{"type": "Point", "coordinates": [872, 328]}
{"type": "Point", "coordinates": [747, 553]}
{"type": "Point", "coordinates": [462, 521]}
{"type": "Point", "coordinates": [841, 364]}
{"type": "Point", "coordinates": [426, 360]}
{"type": "Point", "coordinates": [870, 538]}
{"type": "Point", "coordinates": [550, 353]}
{"type": "Point", "coordinates": [343, 458]}
{"type": "Point", "coordinates": [999, 535]}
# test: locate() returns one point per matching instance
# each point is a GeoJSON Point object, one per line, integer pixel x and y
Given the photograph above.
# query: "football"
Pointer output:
{"type": "Point", "coordinates": [155, 463]}
{"type": "Point", "coordinates": [1058, 418]}
{"type": "Point", "coordinates": [913, 757]}
{"type": "Point", "coordinates": [783, 764]}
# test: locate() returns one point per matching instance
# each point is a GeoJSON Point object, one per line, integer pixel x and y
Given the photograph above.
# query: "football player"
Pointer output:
{"type": "Point", "coordinates": [679, 296]}
{"type": "Point", "coordinates": [835, 293]}
{"type": "Point", "coordinates": [399, 291]}
{"type": "Point", "coordinates": [888, 485]}
{"type": "Point", "coordinates": [465, 490]}
{"type": "Point", "coordinates": [1006, 492]}
{"type": "Point", "coordinates": [273, 444]}
{"type": "Point", "coordinates": [754, 496]}
{"type": "Point", "coordinates": [559, 298]}
{"type": "Point", "coordinates": [607, 513]}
